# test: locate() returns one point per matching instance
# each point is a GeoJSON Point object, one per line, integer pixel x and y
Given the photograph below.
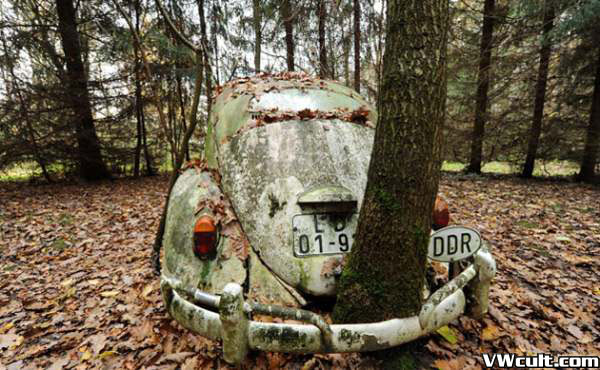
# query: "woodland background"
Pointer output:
{"type": "Point", "coordinates": [138, 77]}
{"type": "Point", "coordinates": [97, 89]}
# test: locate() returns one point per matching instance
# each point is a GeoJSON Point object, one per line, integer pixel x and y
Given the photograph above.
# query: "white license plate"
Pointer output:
{"type": "Point", "coordinates": [323, 233]}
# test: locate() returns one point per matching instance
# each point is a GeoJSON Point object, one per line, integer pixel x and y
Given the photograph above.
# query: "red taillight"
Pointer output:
{"type": "Point", "coordinates": [441, 215]}
{"type": "Point", "coordinates": [205, 238]}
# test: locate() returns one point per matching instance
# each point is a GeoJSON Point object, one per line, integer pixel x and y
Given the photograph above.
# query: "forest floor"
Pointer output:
{"type": "Point", "coordinates": [77, 289]}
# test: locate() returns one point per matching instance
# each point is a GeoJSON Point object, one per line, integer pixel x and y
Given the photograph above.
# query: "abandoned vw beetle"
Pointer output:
{"type": "Point", "coordinates": [260, 226]}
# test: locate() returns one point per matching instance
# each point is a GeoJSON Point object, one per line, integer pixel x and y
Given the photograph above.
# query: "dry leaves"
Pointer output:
{"type": "Point", "coordinates": [359, 116]}
{"type": "Point", "coordinates": [77, 288]}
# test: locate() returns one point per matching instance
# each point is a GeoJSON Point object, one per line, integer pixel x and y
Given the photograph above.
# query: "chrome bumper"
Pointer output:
{"type": "Point", "coordinates": [239, 334]}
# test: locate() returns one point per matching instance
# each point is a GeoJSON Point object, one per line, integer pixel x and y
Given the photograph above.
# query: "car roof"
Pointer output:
{"type": "Point", "coordinates": [239, 103]}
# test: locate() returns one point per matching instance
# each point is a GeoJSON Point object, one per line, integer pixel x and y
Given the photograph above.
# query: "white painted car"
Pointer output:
{"type": "Point", "coordinates": [261, 226]}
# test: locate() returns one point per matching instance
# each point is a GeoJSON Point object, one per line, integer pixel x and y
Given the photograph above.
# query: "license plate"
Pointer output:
{"type": "Point", "coordinates": [324, 233]}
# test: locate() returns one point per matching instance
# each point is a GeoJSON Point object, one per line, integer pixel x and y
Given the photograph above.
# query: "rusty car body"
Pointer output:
{"type": "Point", "coordinates": [280, 187]}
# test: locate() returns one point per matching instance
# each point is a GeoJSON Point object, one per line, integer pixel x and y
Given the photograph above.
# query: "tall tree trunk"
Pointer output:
{"type": "Point", "coordinates": [288, 25]}
{"type": "Point", "coordinates": [483, 83]}
{"type": "Point", "coordinates": [215, 46]}
{"type": "Point", "coordinates": [323, 67]}
{"type": "Point", "coordinates": [149, 169]}
{"type": "Point", "coordinates": [139, 112]}
{"type": "Point", "coordinates": [182, 104]}
{"type": "Point", "coordinates": [395, 218]}
{"type": "Point", "coordinates": [139, 117]}
{"type": "Point", "coordinates": [346, 44]}
{"type": "Point", "coordinates": [91, 165]}
{"type": "Point", "coordinates": [357, 45]}
{"type": "Point", "coordinates": [540, 92]}
{"type": "Point", "coordinates": [587, 172]}
{"type": "Point", "coordinates": [257, 23]}
{"type": "Point", "coordinates": [206, 58]}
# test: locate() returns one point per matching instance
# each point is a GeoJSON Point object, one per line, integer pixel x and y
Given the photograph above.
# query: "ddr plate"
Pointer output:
{"type": "Point", "coordinates": [453, 243]}
{"type": "Point", "coordinates": [323, 233]}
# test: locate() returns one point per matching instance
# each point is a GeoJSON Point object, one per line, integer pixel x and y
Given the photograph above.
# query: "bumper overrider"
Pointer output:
{"type": "Point", "coordinates": [192, 309]}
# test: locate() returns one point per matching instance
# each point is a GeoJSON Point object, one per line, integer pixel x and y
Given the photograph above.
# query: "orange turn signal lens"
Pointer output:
{"type": "Point", "coordinates": [205, 238]}
{"type": "Point", "coordinates": [441, 214]}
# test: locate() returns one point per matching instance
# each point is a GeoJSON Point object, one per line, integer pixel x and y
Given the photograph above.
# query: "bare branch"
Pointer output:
{"type": "Point", "coordinates": [175, 31]}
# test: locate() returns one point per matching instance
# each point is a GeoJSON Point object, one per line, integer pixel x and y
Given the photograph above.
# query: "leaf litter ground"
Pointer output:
{"type": "Point", "coordinates": [77, 289]}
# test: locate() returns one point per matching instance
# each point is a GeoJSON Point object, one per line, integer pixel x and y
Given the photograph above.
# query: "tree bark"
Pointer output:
{"type": "Point", "coordinates": [587, 172]}
{"type": "Point", "coordinates": [149, 169]}
{"type": "Point", "coordinates": [257, 22]}
{"type": "Point", "coordinates": [357, 45]}
{"type": "Point", "coordinates": [139, 117]}
{"type": "Point", "coordinates": [540, 92]}
{"type": "Point", "coordinates": [215, 44]}
{"type": "Point", "coordinates": [323, 67]}
{"type": "Point", "coordinates": [91, 165]}
{"type": "Point", "coordinates": [182, 104]}
{"type": "Point", "coordinates": [288, 25]}
{"type": "Point", "coordinates": [139, 112]}
{"type": "Point", "coordinates": [206, 58]}
{"type": "Point", "coordinates": [483, 83]}
{"type": "Point", "coordinates": [384, 275]}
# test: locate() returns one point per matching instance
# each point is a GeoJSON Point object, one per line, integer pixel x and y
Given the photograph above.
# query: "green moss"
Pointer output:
{"type": "Point", "coordinates": [209, 147]}
{"type": "Point", "coordinates": [374, 287]}
{"type": "Point", "coordinates": [59, 245]}
{"type": "Point", "coordinates": [205, 270]}
{"type": "Point", "coordinates": [387, 200]}
{"type": "Point", "coordinates": [349, 337]}
{"type": "Point", "coordinates": [287, 337]}
{"type": "Point", "coordinates": [303, 275]}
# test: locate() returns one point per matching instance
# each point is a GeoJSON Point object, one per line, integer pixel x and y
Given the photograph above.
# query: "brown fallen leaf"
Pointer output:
{"type": "Point", "coordinates": [491, 332]}
{"type": "Point", "coordinates": [59, 364]}
{"type": "Point", "coordinates": [454, 364]}
{"type": "Point", "coordinates": [175, 357]}
{"type": "Point", "coordinates": [98, 342]}
{"type": "Point", "coordinates": [575, 331]}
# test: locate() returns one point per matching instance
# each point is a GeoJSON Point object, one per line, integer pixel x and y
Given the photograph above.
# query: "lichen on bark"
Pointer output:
{"type": "Point", "coordinates": [383, 277]}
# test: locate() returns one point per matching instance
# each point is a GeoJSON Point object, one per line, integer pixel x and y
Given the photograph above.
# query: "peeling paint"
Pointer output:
{"type": "Point", "coordinates": [349, 337]}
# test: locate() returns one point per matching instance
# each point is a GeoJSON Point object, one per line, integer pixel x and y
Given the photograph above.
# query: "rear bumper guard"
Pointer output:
{"type": "Point", "coordinates": [239, 334]}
